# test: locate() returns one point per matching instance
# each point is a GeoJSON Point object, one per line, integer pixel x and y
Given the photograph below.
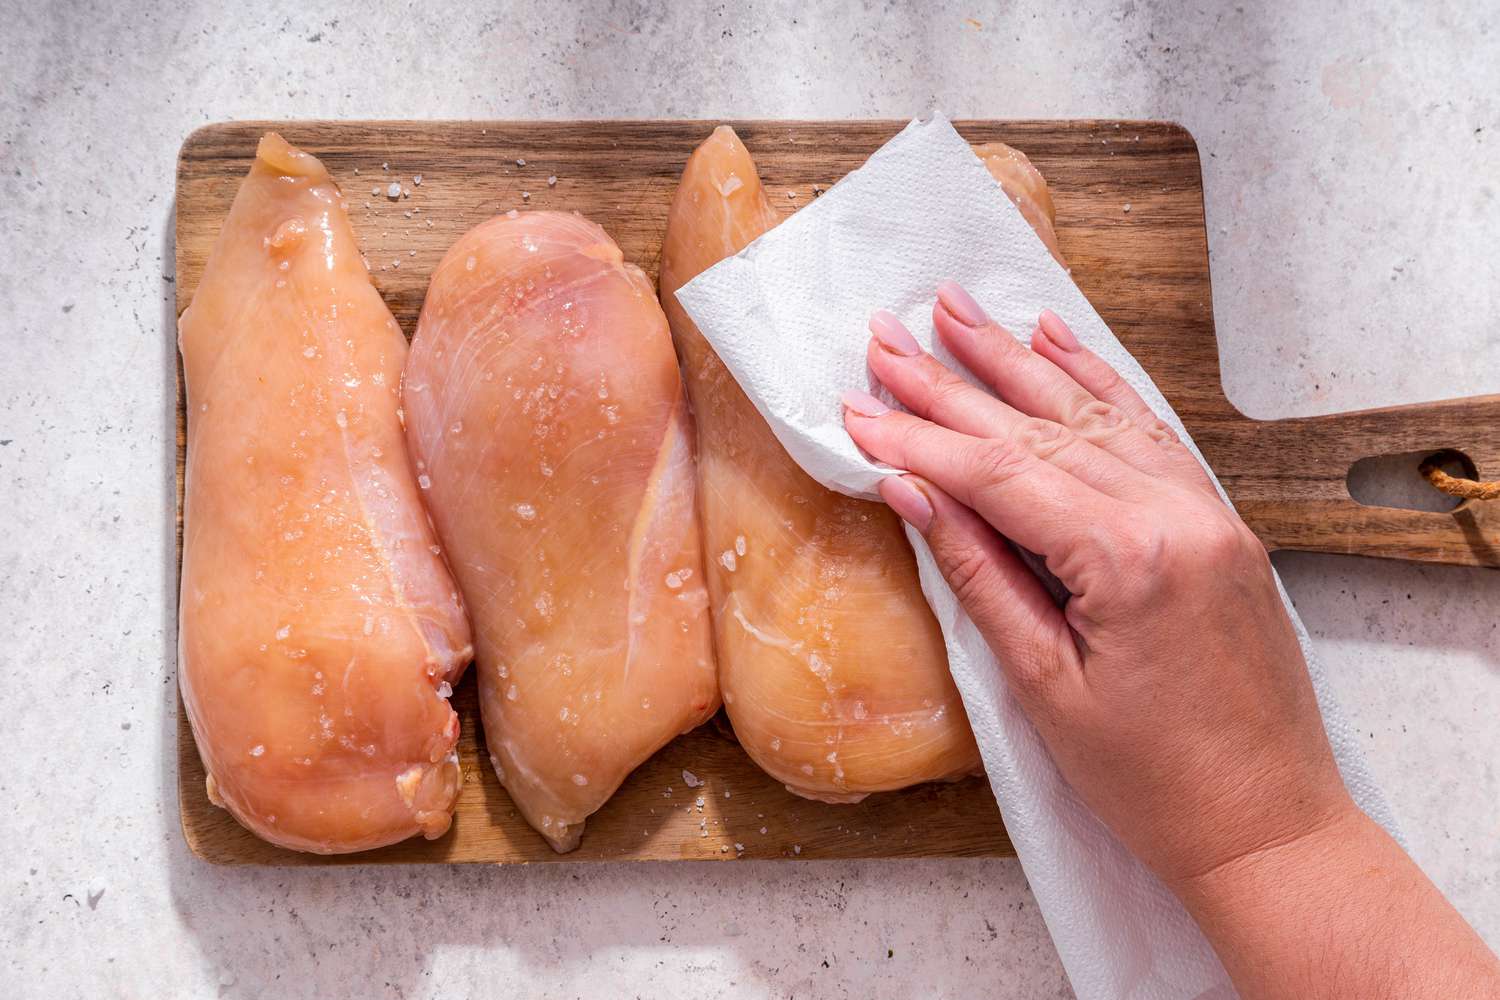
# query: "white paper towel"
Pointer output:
{"type": "Point", "coordinates": [788, 316]}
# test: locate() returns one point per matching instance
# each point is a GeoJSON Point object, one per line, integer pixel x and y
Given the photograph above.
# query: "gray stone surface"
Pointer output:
{"type": "Point", "coordinates": [1352, 159]}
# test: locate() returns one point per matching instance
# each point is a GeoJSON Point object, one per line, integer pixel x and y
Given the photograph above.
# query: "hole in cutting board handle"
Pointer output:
{"type": "Point", "coordinates": [1393, 480]}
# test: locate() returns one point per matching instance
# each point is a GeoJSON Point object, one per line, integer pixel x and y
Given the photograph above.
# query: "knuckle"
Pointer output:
{"type": "Point", "coordinates": [1162, 433]}
{"type": "Point", "coordinates": [968, 572]}
{"type": "Point", "coordinates": [1042, 438]}
{"type": "Point", "coordinates": [994, 461]}
{"type": "Point", "coordinates": [1097, 418]}
{"type": "Point", "coordinates": [1142, 548]}
{"type": "Point", "coordinates": [944, 389]}
{"type": "Point", "coordinates": [911, 435]}
{"type": "Point", "coordinates": [1225, 540]}
{"type": "Point", "coordinates": [1124, 564]}
{"type": "Point", "coordinates": [1107, 379]}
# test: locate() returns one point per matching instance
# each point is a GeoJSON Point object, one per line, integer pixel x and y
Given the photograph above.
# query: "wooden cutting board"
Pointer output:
{"type": "Point", "coordinates": [1129, 199]}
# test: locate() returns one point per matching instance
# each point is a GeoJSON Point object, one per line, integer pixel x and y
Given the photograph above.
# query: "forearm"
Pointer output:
{"type": "Point", "coordinates": [1341, 913]}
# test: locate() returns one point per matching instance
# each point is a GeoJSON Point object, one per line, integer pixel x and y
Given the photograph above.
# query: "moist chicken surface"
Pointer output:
{"type": "Point", "coordinates": [320, 629]}
{"type": "Point", "coordinates": [832, 667]}
{"type": "Point", "coordinates": [546, 414]}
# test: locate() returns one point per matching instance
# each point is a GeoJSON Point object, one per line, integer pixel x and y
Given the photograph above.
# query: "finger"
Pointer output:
{"type": "Point", "coordinates": [1054, 341]}
{"type": "Point", "coordinates": [1033, 384]}
{"type": "Point", "coordinates": [1030, 383]}
{"type": "Point", "coordinates": [926, 387]}
{"type": "Point", "coordinates": [1005, 600]}
{"type": "Point", "coordinates": [1033, 502]}
{"type": "Point", "coordinates": [1059, 346]}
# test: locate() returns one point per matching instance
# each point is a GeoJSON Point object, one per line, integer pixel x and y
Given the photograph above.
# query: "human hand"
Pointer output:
{"type": "Point", "coordinates": [1170, 688]}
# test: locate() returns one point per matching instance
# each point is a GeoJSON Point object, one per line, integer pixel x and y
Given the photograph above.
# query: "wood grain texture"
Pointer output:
{"type": "Point", "coordinates": [1145, 270]}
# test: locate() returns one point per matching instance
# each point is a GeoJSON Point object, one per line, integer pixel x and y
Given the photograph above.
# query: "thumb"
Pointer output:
{"type": "Point", "coordinates": [1009, 605]}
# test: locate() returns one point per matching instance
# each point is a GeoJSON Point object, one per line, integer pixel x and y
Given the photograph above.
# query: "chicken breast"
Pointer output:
{"type": "Point", "coordinates": [546, 414]}
{"type": "Point", "coordinates": [320, 629]}
{"type": "Point", "coordinates": [1024, 185]}
{"type": "Point", "coordinates": [832, 667]}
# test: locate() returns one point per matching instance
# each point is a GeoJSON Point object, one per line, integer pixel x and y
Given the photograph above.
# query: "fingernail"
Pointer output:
{"type": "Point", "coordinates": [908, 501]}
{"type": "Point", "coordinates": [1055, 330]}
{"type": "Point", "coordinates": [863, 403]}
{"type": "Point", "coordinates": [893, 336]}
{"type": "Point", "coordinates": [961, 304]}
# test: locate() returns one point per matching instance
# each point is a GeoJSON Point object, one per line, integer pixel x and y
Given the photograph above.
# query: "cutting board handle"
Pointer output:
{"type": "Point", "coordinates": [1293, 489]}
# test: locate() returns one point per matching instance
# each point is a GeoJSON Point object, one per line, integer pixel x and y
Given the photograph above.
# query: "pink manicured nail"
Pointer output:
{"type": "Point", "coordinates": [891, 335]}
{"type": "Point", "coordinates": [863, 403]}
{"type": "Point", "coordinates": [908, 501]}
{"type": "Point", "coordinates": [961, 304]}
{"type": "Point", "coordinates": [1055, 330]}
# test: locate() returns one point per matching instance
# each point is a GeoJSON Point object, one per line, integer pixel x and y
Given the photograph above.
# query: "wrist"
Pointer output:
{"type": "Point", "coordinates": [1269, 873]}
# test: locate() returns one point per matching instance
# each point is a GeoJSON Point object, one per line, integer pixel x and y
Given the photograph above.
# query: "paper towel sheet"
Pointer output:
{"type": "Point", "coordinates": [788, 316]}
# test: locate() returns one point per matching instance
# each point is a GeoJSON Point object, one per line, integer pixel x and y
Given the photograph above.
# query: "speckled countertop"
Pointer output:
{"type": "Point", "coordinates": [1352, 161]}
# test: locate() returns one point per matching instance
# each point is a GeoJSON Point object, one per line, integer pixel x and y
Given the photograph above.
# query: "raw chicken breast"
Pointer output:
{"type": "Point", "coordinates": [832, 667]}
{"type": "Point", "coordinates": [1024, 185]}
{"type": "Point", "coordinates": [546, 414]}
{"type": "Point", "coordinates": [320, 630]}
